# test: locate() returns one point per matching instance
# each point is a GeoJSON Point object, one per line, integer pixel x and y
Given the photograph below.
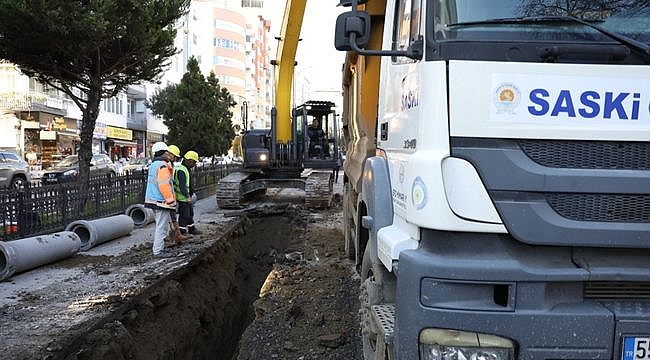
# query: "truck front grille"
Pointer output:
{"type": "Point", "coordinates": [588, 154]}
{"type": "Point", "coordinates": [601, 207]}
{"type": "Point", "coordinates": [615, 290]}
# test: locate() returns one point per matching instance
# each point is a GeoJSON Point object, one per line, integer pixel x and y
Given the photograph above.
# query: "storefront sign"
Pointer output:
{"type": "Point", "coordinates": [47, 135]}
{"type": "Point", "coordinates": [100, 130]}
{"type": "Point", "coordinates": [59, 124]}
{"type": "Point", "coordinates": [119, 133]}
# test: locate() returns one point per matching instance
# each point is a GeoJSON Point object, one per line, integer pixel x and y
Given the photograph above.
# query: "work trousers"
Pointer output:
{"type": "Point", "coordinates": [185, 214]}
{"type": "Point", "coordinates": [163, 219]}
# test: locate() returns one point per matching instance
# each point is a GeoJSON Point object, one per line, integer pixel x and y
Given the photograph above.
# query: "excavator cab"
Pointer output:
{"type": "Point", "coordinates": [317, 134]}
{"type": "Point", "coordinates": [256, 149]}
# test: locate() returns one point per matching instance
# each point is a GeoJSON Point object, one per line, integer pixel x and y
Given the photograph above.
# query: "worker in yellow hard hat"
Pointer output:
{"type": "Point", "coordinates": [177, 235]}
{"type": "Point", "coordinates": [175, 151]}
{"type": "Point", "coordinates": [184, 192]}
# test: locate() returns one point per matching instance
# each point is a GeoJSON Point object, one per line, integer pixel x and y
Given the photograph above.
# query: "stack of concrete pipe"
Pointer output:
{"type": "Point", "coordinates": [98, 231]}
{"type": "Point", "coordinates": [24, 254]}
{"type": "Point", "coordinates": [141, 215]}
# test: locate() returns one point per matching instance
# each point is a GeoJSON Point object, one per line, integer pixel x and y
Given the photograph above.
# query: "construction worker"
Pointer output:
{"type": "Point", "coordinates": [175, 151]}
{"type": "Point", "coordinates": [235, 147]}
{"type": "Point", "coordinates": [176, 237]}
{"type": "Point", "coordinates": [160, 196]}
{"type": "Point", "coordinates": [184, 192]}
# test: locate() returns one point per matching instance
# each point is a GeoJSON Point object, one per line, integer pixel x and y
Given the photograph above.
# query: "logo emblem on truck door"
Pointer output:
{"type": "Point", "coordinates": [507, 97]}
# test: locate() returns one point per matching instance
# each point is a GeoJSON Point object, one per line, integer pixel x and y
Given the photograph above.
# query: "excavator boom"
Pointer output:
{"type": "Point", "coordinates": [285, 60]}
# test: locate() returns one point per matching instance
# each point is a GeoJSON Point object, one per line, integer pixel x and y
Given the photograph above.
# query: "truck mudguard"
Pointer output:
{"type": "Point", "coordinates": [376, 195]}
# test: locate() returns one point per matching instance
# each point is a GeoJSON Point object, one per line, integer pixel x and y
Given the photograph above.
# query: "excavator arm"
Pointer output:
{"type": "Point", "coordinates": [294, 12]}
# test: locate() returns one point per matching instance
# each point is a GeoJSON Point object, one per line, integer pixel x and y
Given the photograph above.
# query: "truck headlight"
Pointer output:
{"type": "Point", "coordinates": [263, 157]}
{"type": "Point", "coordinates": [442, 344]}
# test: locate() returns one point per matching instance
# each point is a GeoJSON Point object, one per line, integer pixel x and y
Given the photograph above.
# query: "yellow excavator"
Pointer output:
{"type": "Point", "coordinates": [300, 150]}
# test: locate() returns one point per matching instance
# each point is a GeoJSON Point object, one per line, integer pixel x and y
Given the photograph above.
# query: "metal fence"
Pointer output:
{"type": "Point", "coordinates": [42, 209]}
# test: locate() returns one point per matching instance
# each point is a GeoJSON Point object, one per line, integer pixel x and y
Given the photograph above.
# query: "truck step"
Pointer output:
{"type": "Point", "coordinates": [384, 316]}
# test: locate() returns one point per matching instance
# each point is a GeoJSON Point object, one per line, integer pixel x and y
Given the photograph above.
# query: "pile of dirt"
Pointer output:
{"type": "Point", "coordinates": [308, 306]}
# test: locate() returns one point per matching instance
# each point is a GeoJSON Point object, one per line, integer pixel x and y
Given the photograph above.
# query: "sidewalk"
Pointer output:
{"type": "Point", "coordinates": [205, 211]}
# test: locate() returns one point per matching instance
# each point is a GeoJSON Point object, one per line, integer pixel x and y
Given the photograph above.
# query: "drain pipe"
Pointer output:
{"type": "Point", "coordinates": [28, 253]}
{"type": "Point", "coordinates": [98, 231]}
{"type": "Point", "coordinates": [142, 216]}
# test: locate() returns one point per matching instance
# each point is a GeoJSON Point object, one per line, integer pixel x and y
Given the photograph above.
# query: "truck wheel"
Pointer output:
{"type": "Point", "coordinates": [377, 287]}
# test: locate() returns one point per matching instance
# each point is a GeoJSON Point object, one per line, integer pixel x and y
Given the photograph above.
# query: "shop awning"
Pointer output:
{"type": "Point", "coordinates": [124, 143]}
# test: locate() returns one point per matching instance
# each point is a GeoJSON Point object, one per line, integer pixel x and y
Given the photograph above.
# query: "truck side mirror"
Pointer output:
{"type": "Point", "coordinates": [352, 22]}
{"type": "Point", "coordinates": [352, 33]}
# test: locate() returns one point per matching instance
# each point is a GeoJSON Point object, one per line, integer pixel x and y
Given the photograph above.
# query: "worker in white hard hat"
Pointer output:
{"type": "Point", "coordinates": [184, 193]}
{"type": "Point", "coordinates": [160, 195]}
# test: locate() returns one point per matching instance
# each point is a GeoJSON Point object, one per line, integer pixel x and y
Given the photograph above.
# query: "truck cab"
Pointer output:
{"type": "Point", "coordinates": [502, 203]}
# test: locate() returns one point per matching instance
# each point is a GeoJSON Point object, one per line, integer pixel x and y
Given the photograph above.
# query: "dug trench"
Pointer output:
{"type": "Point", "coordinates": [273, 287]}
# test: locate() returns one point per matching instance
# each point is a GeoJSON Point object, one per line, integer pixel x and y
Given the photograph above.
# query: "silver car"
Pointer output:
{"type": "Point", "coordinates": [67, 170]}
{"type": "Point", "coordinates": [14, 171]}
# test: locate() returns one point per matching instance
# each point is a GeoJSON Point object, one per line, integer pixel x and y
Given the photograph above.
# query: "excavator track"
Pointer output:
{"type": "Point", "coordinates": [318, 190]}
{"type": "Point", "coordinates": [229, 194]}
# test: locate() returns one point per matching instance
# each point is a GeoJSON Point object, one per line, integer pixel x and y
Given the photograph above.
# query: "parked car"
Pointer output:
{"type": "Point", "coordinates": [222, 160]}
{"type": "Point", "coordinates": [67, 169]}
{"type": "Point", "coordinates": [14, 171]}
{"type": "Point", "coordinates": [136, 165]}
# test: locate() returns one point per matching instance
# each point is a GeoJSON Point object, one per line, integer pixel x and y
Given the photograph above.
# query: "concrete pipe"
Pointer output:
{"type": "Point", "coordinates": [25, 254]}
{"type": "Point", "coordinates": [142, 216]}
{"type": "Point", "coordinates": [98, 231]}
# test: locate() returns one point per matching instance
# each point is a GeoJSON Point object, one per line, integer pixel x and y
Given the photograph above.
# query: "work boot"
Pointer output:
{"type": "Point", "coordinates": [194, 231]}
{"type": "Point", "coordinates": [163, 254]}
{"type": "Point", "coordinates": [178, 236]}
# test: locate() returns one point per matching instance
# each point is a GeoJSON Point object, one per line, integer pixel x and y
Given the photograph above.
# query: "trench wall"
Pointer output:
{"type": "Point", "coordinates": [197, 312]}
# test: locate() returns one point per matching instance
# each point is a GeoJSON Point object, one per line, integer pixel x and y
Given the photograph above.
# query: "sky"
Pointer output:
{"type": "Point", "coordinates": [317, 58]}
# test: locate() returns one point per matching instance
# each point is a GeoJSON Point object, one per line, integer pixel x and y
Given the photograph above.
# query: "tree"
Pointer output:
{"type": "Point", "coordinates": [196, 112]}
{"type": "Point", "coordinates": [89, 49]}
{"type": "Point", "coordinates": [587, 9]}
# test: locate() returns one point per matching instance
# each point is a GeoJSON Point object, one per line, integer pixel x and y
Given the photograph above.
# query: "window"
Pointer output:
{"type": "Point", "coordinates": [252, 3]}
{"type": "Point", "coordinates": [130, 108]}
{"type": "Point", "coordinates": [227, 61]}
{"type": "Point", "coordinates": [407, 26]}
{"type": "Point", "coordinates": [9, 157]}
{"type": "Point", "coordinates": [227, 25]}
{"type": "Point", "coordinates": [479, 20]}
{"type": "Point", "coordinates": [228, 44]}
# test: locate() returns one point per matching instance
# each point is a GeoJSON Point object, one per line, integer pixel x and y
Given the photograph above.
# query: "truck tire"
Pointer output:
{"type": "Point", "coordinates": [377, 287]}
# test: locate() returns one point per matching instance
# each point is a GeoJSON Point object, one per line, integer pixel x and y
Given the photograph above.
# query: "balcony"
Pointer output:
{"type": "Point", "coordinates": [137, 121]}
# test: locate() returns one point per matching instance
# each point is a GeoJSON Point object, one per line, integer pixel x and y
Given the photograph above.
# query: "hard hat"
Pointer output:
{"type": "Point", "coordinates": [192, 155]}
{"type": "Point", "coordinates": [159, 146]}
{"type": "Point", "coordinates": [174, 150]}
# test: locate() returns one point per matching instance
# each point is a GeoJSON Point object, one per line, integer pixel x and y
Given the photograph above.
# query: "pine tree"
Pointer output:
{"type": "Point", "coordinates": [196, 112]}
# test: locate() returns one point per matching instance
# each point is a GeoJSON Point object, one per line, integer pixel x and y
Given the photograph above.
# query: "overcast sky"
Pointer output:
{"type": "Point", "coordinates": [316, 55]}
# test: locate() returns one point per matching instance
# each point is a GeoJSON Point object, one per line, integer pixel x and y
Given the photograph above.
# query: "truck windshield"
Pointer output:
{"type": "Point", "coordinates": [545, 20]}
